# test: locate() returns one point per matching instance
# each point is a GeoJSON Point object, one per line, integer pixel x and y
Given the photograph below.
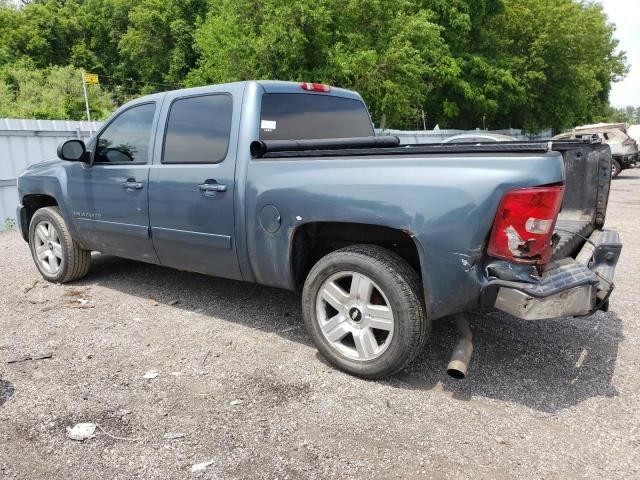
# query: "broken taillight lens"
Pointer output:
{"type": "Point", "coordinates": [523, 228]}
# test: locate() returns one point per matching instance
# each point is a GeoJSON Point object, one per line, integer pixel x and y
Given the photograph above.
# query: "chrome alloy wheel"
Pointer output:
{"type": "Point", "coordinates": [47, 247]}
{"type": "Point", "coordinates": [355, 316]}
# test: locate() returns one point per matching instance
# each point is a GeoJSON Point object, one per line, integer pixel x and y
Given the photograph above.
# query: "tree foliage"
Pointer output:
{"type": "Point", "coordinates": [562, 56]}
{"type": "Point", "coordinates": [388, 50]}
{"type": "Point", "coordinates": [464, 63]}
{"type": "Point", "coordinates": [49, 93]}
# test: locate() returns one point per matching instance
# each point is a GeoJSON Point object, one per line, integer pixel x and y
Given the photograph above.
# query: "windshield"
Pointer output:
{"type": "Point", "coordinates": [297, 116]}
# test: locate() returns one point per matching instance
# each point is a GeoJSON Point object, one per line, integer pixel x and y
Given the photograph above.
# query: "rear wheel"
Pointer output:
{"type": "Point", "coordinates": [615, 168]}
{"type": "Point", "coordinates": [363, 308]}
{"type": "Point", "coordinates": [58, 257]}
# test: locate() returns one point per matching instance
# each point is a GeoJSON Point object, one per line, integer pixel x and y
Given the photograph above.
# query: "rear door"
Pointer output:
{"type": "Point", "coordinates": [109, 199]}
{"type": "Point", "coordinates": [191, 184]}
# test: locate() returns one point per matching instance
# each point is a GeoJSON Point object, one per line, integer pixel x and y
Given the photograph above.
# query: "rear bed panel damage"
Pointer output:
{"type": "Point", "coordinates": [579, 279]}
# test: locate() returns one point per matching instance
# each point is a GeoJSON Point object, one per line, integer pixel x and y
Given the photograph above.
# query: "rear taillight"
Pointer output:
{"type": "Point", "coordinates": [315, 87]}
{"type": "Point", "coordinates": [523, 228]}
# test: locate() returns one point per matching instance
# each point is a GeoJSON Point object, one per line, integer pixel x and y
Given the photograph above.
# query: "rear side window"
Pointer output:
{"type": "Point", "coordinates": [198, 129]}
{"type": "Point", "coordinates": [126, 139]}
{"type": "Point", "coordinates": [296, 116]}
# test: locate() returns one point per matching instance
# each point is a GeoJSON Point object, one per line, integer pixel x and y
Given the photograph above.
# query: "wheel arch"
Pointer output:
{"type": "Point", "coordinates": [313, 240]}
{"type": "Point", "coordinates": [33, 202]}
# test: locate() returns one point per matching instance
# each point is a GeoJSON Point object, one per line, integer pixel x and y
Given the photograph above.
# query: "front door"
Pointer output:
{"type": "Point", "coordinates": [191, 189]}
{"type": "Point", "coordinates": [109, 199]}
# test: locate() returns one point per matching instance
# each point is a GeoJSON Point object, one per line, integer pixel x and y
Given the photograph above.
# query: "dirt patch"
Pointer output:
{"type": "Point", "coordinates": [6, 391]}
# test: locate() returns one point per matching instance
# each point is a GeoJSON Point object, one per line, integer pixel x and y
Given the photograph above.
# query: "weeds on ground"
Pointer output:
{"type": "Point", "coordinates": [10, 224]}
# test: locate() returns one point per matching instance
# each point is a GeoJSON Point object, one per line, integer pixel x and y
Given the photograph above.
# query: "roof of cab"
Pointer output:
{"type": "Point", "coordinates": [280, 86]}
{"type": "Point", "coordinates": [269, 86]}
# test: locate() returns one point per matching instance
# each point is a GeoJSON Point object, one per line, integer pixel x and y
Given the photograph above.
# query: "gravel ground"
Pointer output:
{"type": "Point", "coordinates": [239, 379]}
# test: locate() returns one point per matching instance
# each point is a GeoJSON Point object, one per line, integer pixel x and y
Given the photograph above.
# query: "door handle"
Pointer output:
{"type": "Point", "coordinates": [131, 185]}
{"type": "Point", "coordinates": [211, 186]}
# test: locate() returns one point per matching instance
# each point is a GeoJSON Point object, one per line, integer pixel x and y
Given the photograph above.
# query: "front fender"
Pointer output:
{"type": "Point", "coordinates": [47, 179]}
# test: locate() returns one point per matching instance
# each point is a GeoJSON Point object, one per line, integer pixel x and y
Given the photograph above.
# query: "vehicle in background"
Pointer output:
{"type": "Point", "coordinates": [634, 132]}
{"type": "Point", "coordinates": [284, 184]}
{"type": "Point", "coordinates": [478, 137]}
{"type": "Point", "coordinates": [624, 149]}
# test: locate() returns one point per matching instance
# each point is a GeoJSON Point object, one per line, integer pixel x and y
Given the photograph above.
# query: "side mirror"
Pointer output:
{"type": "Point", "coordinates": [73, 151]}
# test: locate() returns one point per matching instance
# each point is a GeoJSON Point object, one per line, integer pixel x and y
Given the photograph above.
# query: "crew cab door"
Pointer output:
{"type": "Point", "coordinates": [109, 199]}
{"type": "Point", "coordinates": [191, 184]}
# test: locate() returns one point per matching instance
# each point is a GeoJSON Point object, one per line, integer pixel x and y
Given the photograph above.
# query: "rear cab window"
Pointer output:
{"type": "Point", "coordinates": [298, 116]}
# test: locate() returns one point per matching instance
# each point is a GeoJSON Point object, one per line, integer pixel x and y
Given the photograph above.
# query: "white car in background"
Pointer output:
{"type": "Point", "coordinates": [624, 149]}
{"type": "Point", "coordinates": [478, 137]}
{"type": "Point", "coordinates": [634, 132]}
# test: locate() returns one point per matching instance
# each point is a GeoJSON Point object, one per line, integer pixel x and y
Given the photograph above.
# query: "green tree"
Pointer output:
{"type": "Point", "coordinates": [44, 32]}
{"type": "Point", "coordinates": [49, 93]}
{"type": "Point", "coordinates": [518, 63]}
{"type": "Point", "coordinates": [390, 51]}
{"type": "Point", "coordinates": [158, 42]}
{"type": "Point", "coordinates": [562, 55]}
{"type": "Point", "coordinates": [102, 24]}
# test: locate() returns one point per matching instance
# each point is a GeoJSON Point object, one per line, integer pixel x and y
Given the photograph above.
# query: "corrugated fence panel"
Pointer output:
{"type": "Point", "coordinates": [25, 142]}
{"type": "Point", "coordinates": [8, 199]}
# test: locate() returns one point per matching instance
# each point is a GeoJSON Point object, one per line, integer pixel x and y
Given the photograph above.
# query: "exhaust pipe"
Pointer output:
{"type": "Point", "coordinates": [461, 356]}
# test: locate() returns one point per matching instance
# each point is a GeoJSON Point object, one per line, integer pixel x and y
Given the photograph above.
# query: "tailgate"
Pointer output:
{"type": "Point", "coordinates": [587, 181]}
{"type": "Point", "coordinates": [579, 279]}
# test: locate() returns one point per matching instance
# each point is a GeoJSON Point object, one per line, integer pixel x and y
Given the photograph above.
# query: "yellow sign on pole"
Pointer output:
{"type": "Point", "coordinates": [91, 78]}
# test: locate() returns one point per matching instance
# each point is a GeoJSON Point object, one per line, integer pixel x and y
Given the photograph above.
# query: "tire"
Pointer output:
{"type": "Point", "coordinates": [364, 309]}
{"type": "Point", "coordinates": [615, 168]}
{"type": "Point", "coordinates": [57, 256]}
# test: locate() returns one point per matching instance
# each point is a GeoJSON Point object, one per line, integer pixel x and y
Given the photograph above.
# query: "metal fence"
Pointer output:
{"type": "Point", "coordinates": [24, 142]}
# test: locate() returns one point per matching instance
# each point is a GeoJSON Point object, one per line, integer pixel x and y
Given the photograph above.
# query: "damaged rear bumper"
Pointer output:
{"type": "Point", "coordinates": [568, 287]}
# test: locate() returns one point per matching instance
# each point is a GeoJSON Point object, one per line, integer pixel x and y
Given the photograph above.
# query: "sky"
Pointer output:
{"type": "Point", "coordinates": [625, 14]}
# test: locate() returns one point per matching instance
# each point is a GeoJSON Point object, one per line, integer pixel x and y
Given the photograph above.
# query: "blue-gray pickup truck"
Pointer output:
{"type": "Point", "coordinates": [285, 184]}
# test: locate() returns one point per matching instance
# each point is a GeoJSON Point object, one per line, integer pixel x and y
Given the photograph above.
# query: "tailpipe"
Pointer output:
{"type": "Point", "coordinates": [461, 356]}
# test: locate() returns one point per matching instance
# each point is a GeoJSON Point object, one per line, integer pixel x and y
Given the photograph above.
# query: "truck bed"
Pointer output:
{"type": "Point", "coordinates": [587, 172]}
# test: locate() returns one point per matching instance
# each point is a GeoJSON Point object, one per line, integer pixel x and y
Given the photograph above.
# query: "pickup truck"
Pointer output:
{"type": "Point", "coordinates": [284, 184]}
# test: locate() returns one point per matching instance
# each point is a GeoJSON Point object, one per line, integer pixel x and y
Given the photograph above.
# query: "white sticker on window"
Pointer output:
{"type": "Point", "coordinates": [268, 124]}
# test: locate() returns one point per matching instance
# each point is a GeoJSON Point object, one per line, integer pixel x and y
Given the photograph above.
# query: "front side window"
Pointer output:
{"type": "Point", "coordinates": [198, 129]}
{"type": "Point", "coordinates": [127, 138]}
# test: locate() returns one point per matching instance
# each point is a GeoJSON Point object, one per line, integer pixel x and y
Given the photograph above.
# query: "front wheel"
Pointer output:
{"type": "Point", "coordinates": [58, 257]}
{"type": "Point", "coordinates": [363, 308]}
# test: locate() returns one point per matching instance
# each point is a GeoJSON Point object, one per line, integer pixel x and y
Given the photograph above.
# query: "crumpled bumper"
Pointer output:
{"type": "Point", "coordinates": [568, 287]}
